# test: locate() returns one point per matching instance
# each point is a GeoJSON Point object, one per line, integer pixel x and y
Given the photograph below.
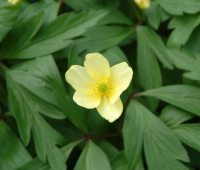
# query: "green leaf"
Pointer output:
{"type": "Point", "coordinates": [33, 165]}
{"type": "Point", "coordinates": [73, 57]}
{"type": "Point", "coordinates": [155, 15]}
{"type": "Point", "coordinates": [120, 162]}
{"type": "Point", "coordinates": [18, 108]}
{"type": "Point", "coordinates": [133, 136]}
{"type": "Point", "coordinates": [56, 31]}
{"type": "Point", "coordinates": [91, 4]}
{"type": "Point", "coordinates": [99, 38]}
{"type": "Point", "coordinates": [162, 148]}
{"type": "Point", "coordinates": [155, 43]}
{"type": "Point", "coordinates": [173, 116]}
{"type": "Point", "coordinates": [183, 96]}
{"type": "Point", "coordinates": [44, 7]}
{"type": "Point", "coordinates": [147, 64]}
{"type": "Point", "coordinates": [193, 43]}
{"type": "Point", "coordinates": [4, 3]}
{"type": "Point", "coordinates": [29, 20]}
{"type": "Point", "coordinates": [92, 158]}
{"type": "Point", "coordinates": [183, 27]}
{"type": "Point", "coordinates": [69, 147]}
{"type": "Point", "coordinates": [37, 164]}
{"type": "Point", "coordinates": [140, 165]}
{"type": "Point", "coordinates": [115, 17]}
{"type": "Point", "coordinates": [41, 77]}
{"type": "Point", "coordinates": [148, 68]}
{"type": "Point", "coordinates": [83, 5]}
{"type": "Point", "coordinates": [30, 26]}
{"type": "Point", "coordinates": [13, 154]}
{"type": "Point", "coordinates": [187, 6]}
{"type": "Point", "coordinates": [192, 75]}
{"type": "Point", "coordinates": [110, 150]}
{"type": "Point", "coordinates": [28, 118]}
{"type": "Point", "coordinates": [189, 134]}
{"type": "Point", "coordinates": [114, 29]}
{"type": "Point", "coordinates": [95, 123]}
{"type": "Point", "coordinates": [115, 55]}
{"type": "Point", "coordinates": [45, 144]}
{"type": "Point", "coordinates": [50, 12]}
{"type": "Point", "coordinates": [7, 18]}
{"type": "Point", "coordinates": [185, 61]}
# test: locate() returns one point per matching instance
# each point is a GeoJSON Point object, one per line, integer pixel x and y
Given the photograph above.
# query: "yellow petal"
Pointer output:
{"type": "Point", "coordinates": [97, 65]}
{"type": "Point", "coordinates": [13, 2]}
{"type": "Point", "coordinates": [109, 111]}
{"type": "Point", "coordinates": [78, 77]}
{"type": "Point", "coordinates": [143, 4]}
{"type": "Point", "coordinates": [86, 99]}
{"type": "Point", "coordinates": [121, 75]}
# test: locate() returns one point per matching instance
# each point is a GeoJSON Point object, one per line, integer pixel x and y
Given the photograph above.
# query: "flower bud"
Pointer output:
{"type": "Point", "coordinates": [13, 2]}
{"type": "Point", "coordinates": [143, 4]}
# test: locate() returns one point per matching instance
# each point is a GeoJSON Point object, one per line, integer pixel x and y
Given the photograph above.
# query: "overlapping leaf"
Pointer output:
{"type": "Point", "coordinates": [182, 96]}
{"type": "Point", "coordinates": [41, 77]}
{"type": "Point", "coordinates": [7, 18]}
{"type": "Point", "coordinates": [148, 67]}
{"type": "Point", "coordinates": [183, 28]}
{"type": "Point", "coordinates": [114, 29]}
{"type": "Point", "coordinates": [61, 30]}
{"type": "Point", "coordinates": [193, 43]}
{"type": "Point", "coordinates": [173, 116]}
{"type": "Point", "coordinates": [25, 108]}
{"type": "Point", "coordinates": [13, 154]}
{"type": "Point", "coordinates": [155, 15]}
{"type": "Point", "coordinates": [37, 164]}
{"type": "Point", "coordinates": [154, 43]}
{"type": "Point", "coordinates": [189, 134]}
{"type": "Point", "coordinates": [92, 158]}
{"type": "Point", "coordinates": [162, 148]}
{"type": "Point", "coordinates": [33, 88]}
{"type": "Point", "coordinates": [187, 6]}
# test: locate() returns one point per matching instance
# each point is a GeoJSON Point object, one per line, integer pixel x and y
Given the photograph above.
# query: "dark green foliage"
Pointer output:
{"type": "Point", "coordinates": [41, 127]}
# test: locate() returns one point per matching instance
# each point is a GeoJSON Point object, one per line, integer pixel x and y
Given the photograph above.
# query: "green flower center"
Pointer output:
{"type": "Point", "coordinates": [103, 88]}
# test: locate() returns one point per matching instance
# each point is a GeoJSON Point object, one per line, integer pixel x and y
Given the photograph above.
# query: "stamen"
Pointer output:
{"type": "Point", "coordinates": [103, 88]}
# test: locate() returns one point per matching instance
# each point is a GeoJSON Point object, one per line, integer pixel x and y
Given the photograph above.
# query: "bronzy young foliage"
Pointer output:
{"type": "Point", "coordinates": [41, 127]}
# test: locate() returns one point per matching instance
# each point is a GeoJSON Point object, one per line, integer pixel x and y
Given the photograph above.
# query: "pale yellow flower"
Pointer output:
{"type": "Point", "coordinates": [99, 86]}
{"type": "Point", "coordinates": [143, 4]}
{"type": "Point", "coordinates": [13, 2]}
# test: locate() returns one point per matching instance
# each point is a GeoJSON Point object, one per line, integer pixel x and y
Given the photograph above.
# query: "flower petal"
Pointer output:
{"type": "Point", "coordinates": [109, 111]}
{"type": "Point", "coordinates": [86, 99]}
{"type": "Point", "coordinates": [143, 4]}
{"type": "Point", "coordinates": [97, 65]}
{"type": "Point", "coordinates": [121, 75]}
{"type": "Point", "coordinates": [78, 77]}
